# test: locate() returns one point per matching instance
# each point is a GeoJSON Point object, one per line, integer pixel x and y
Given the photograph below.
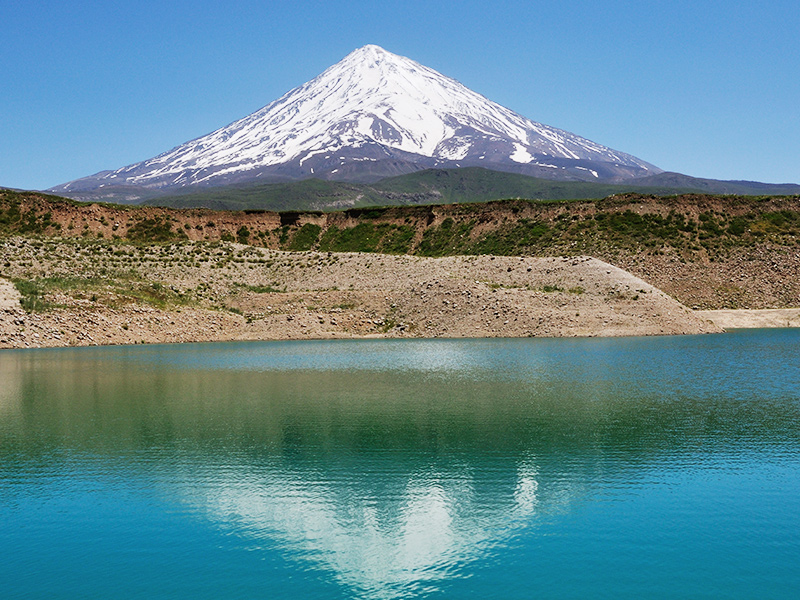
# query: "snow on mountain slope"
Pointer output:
{"type": "Point", "coordinates": [370, 107]}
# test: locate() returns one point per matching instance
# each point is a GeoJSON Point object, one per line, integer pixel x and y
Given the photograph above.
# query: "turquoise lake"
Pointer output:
{"type": "Point", "coordinates": [664, 467]}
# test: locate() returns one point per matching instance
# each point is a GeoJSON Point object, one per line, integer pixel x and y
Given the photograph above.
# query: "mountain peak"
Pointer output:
{"type": "Point", "coordinates": [373, 113]}
{"type": "Point", "coordinates": [371, 54]}
{"type": "Point", "coordinates": [370, 50]}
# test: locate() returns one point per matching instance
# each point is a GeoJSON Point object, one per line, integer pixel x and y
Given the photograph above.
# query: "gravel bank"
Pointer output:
{"type": "Point", "coordinates": [259, 294]}
{"type": "Point", "coordinates": [749, 319]}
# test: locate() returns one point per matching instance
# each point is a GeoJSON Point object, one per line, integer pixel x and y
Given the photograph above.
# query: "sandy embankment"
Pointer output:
{"type": "Point", "coordinates": [357, 295]}
{"type": "Point", "coordinates": [751, 318]}
{"type": "Point", "coordinates": [9, 296]}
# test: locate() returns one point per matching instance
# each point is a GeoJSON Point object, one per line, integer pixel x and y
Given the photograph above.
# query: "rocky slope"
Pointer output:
{"type": "Point", "coordinates": [238, 292]}
{"type": "Point", "coordinates": [708, 252]}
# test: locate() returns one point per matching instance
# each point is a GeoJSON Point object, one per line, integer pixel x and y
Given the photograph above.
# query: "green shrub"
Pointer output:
{"type": "Point", "coordinates": [519, 238]}
{"type": "Point", "coordinates": [364, 237]}
{"type": "Point", "coordinates": [305, 238]}
{"type": "Point", "coordinates": [32, 293]}
{"type": "Point", "coordinates": [153, 230]}
{"type": "Point", "coordinates": [447, 238]}
{"type": "Point", "coordinates": [398, 240]}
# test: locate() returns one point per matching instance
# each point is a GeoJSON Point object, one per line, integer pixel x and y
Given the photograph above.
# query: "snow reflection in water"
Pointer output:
{"type": "Point", "coordinates": [431, 527]}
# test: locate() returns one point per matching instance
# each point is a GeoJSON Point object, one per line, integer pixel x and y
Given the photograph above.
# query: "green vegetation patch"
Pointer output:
{"type": "Point", "coordinates": [446, 239]}
{"type": "Point", "coordinates": [13, 219]}
{"type": "Point", "coordinates": [368, 237]}
{"type": "Point", "coordinates": [629, 229]}
{"type": "Point", "coordinates": [521, 237]}
{"type": "Point", "coordinates": [262, 289]}
{"type": "Point", "coordinates": [155, 294]}
{"type": "Point", "coordinates": [398, 240]}
{"type": "Point", "coordinates": [784, 222]}
{"type": "Point", "coordinates": [243, 235]}
{"type": "Point", "coordinates": [305, 238]}
{"type": "Point", "coordinates": [32, 292]}
{"type": "Point", "coordinates": [364, 237]}
{"type": "Point", "coordinates": [157, 229]}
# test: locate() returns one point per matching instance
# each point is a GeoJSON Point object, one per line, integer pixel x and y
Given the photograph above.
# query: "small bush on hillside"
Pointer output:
{"type": "Point", "coordinates": [153, 230]}
{"type": "Point", "coordinates": [305, 238]}
{"type": "Point", "coordinates": [448, 238]}
{"type": "Point", "coordinates": [32, 299]}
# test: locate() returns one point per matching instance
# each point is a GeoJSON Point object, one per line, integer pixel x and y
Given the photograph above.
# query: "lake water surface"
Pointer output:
{"type": "Point", "coordinates": [594, 468]}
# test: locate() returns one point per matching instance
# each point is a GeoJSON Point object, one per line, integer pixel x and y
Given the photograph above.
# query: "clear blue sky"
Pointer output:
{"type": "Point", "coordinates": [707, 88]}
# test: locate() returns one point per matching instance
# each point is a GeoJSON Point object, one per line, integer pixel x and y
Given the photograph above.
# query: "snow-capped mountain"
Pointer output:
{"type": "Point", "coordinates": [371, 115]}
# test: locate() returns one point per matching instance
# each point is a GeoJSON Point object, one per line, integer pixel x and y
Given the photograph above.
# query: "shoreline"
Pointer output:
{"type": "Point", "coordinates": [755, 318]}
{"type": "Point", "coordinates": [93, 296]}
{"type": "Point", "coordinates": [353, 295]}
{"type": "Point", "coordinates": [47, 330]}
{"type": "Point", "coordinates": [724, 320]}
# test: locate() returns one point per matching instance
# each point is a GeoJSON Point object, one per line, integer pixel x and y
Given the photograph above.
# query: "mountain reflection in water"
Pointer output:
{"type": "Point", "coordinates": [394, 467]}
